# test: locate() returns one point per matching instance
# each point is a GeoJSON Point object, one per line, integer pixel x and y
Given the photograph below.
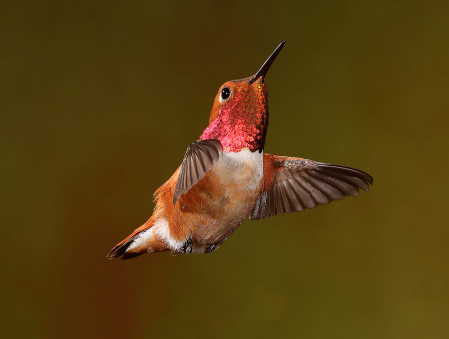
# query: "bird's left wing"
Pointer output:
{"type": "Point", "coordinates": [199, 159]}
{"type": "Point", "coordinates": [294, 184]}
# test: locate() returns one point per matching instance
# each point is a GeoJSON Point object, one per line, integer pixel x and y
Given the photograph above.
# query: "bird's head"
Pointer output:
{"type": "Point", "coordinates": [239, 116]}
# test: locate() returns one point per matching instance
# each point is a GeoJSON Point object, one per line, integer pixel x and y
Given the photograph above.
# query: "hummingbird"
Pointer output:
{"type": "Point", "coordinates": [225, 177]}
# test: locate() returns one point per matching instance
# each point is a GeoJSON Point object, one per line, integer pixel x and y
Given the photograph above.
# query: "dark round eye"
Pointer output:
{"type": "Point", "coordinates": [225, 93]}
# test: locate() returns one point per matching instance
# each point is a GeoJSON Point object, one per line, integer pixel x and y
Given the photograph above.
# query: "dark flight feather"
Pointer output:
{"type": "Point", "coordinates": [299, 183]}
{"type": "Point", "coordinates": [199, 159]}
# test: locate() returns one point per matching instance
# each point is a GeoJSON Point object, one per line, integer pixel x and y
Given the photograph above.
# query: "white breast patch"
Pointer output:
{"type": "Point", "coordinates": [244, 166]}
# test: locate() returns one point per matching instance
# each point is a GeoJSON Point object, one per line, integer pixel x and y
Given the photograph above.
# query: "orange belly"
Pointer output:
{"type": "Point", "coordinates": [213, 208]}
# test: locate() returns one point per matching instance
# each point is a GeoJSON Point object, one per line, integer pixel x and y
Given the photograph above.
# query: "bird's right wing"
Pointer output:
{"type": "Point", "coordinates": [294, 184]}
{"type": "Point", "coordinates": [199, 159]}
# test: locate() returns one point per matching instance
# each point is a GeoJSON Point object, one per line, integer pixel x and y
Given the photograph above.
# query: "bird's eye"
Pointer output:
{"type": "Point", "coordinates": [225, 93]}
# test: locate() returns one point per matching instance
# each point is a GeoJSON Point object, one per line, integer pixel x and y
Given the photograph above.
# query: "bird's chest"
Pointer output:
{"type": "Point", "coordinates": [224, 199]}
{"type": "Point", "coordinates": [238, 177]}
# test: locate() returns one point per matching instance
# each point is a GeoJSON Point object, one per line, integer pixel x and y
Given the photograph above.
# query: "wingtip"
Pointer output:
{"type": "Point", "coordinates": [362, 174]}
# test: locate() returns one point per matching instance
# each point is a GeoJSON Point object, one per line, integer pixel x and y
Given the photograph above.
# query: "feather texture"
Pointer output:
{"type": "Point", "coordinates": [199, 159]}
{"type": "Point", "coordinates": [294, 184]}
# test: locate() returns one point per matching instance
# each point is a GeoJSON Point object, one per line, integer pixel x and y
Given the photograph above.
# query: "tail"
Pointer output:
{"type": "Point", "coordinates": [142, 240]}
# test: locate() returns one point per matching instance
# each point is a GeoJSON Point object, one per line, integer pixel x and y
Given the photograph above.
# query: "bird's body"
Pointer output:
{"type": "Point", "coordinates": [225, 178]}
{"type": "Point", "coordinates": [212, 210]}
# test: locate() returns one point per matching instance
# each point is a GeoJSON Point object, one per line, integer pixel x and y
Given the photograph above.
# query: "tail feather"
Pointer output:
{"type": "Point", "coordinates": [131, 255]}
{"type": "Point", "coordinates": [119, 249]}
{"type": "Point", "coordinates": [142, 240]}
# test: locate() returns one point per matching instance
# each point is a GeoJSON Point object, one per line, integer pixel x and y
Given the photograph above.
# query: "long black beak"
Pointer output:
{"type": "Point", "coordinates": [266, 66]}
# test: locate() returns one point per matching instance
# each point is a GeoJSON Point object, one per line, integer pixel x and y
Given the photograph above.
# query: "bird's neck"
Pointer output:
{"type": "Point", "coordinates": [235, 133]}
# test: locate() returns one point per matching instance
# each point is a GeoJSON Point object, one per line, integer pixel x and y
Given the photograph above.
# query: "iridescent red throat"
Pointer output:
{"type": "Point", "coordinates": [241, 122]}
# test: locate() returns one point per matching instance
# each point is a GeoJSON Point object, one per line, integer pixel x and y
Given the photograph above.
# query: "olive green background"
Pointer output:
{"type": "Point", "coordinates": [99, 101]}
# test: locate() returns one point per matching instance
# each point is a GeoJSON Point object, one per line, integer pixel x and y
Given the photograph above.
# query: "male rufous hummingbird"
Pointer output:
{"type": "Point", "coordinates": [226, 177]}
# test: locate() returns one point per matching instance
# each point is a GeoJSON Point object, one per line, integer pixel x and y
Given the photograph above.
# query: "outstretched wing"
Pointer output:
{"type": "Point", "coordinates": [199, 159]}
{"type": "Point", "coordinates": [294, 184]}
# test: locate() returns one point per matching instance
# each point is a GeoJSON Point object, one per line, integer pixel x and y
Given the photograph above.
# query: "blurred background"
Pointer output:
{"type": "Point", "coordinates": [99, 101]}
